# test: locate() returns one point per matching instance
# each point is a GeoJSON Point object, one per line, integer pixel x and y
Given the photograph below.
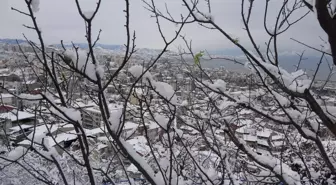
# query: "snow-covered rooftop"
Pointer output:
{"type": "Point", "coordinates": [111, 107]}
{"type": "Point", "coordinates": [16, 115]}
{"type": "Point", "coordinates": [132, 168]}
{"type": "Point", "coordinates": [277, 143]}
{"type": "Point", "coordinates": [243, 130]}
{"type": "Point", "coordinates": [6, 95]}
{"type": "Point", "coordinates": [264, 133]}
{"type": "Point", "coordinates": [250, 138]}
{"type": "Point", "coordinates": [95, 131]}
{"type": "Point", "coordinates": [152, 125]}
{"type": "Point", "coordinates": [262, 142]}
{"type": "Point", "coordinates": [278, 137]}
{"type": "Point", "coordinates": [139, 145]}
{"type": "Point", "coordinates": [130, 125]}
{"type": "Point", "coordinates": [22, 126]}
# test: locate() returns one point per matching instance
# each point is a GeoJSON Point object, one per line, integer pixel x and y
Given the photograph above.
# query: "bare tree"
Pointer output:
{"type": "Point", "coordinates": [276, 128]}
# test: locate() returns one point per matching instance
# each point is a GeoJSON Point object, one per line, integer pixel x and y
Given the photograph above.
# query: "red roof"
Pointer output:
{"type": "Point", "coordinates": [4, 108]}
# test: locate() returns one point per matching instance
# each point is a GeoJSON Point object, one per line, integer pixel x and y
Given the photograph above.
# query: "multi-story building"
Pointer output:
{"type": "Point", "coordinates": [92, 117]}
{"type": "Point", "coordinates": [7, 99]}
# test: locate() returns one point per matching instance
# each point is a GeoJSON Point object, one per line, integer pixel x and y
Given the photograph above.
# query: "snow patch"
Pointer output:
{"type": "Point", "coordinates": [138, 70]}
{"type": "Point", "coordinates": [158, 178]}
{"type": "Point", "coordinates": [88, 14]}
{"type": "Point", "coordinates": [326, 48]}
{"type": "Point", "coordinates": [184, 103]}
{"type": "Point", "coordinates": [35, 5]}
{"type": "Point", "coordinates": [297, 81]}
{"type": "Point", "coordinates": [115, 117]}
{"type": "Point", "coordinates": [100, 71]}
{"type": "Point", "coordinates": [161, 88]}
{"type": "Point", "coordinates": [17, 153]}
{"type": "Point", "coordinates": [290, 177]}
{"type": "Point", "coordinates": [30, 96]}
{"type": "Point", "coordinates": [218, 84]}
{"type": "Point", "coordinates": [166, 91]}
{"type": "Point", "coordinates": [84, 64]}
{"type": "Point", "coordinates": [65, 113]}
{"type": "Point", "coordinates": [162, 120]}
{"type": "Point", "coordinates": [284, 102]}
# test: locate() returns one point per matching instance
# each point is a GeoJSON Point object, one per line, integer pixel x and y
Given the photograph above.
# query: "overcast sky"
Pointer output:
{"type": "Point", "coordinates": [59, 20]}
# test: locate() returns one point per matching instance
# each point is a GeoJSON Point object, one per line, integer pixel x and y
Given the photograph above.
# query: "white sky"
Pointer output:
{"type": "Point", "coordinates": [59, 20]}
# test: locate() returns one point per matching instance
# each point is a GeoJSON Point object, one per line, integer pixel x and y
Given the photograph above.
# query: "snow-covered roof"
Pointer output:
{"type": "Point", "coordinates": [245, 111]}
{"type": "Point", "coordinates": [246, 121]}
{"type": "Point", "coordinates": [152, 125]}
{"type": "Point", "coordinates": [262, 142]}
{"type": "Point", "coordinates": [139, 145]}
{"type": "Point", "coordinates": [30, 82]}
{"type": "Point", "coordinates": [82, 105]}
{"type": "Point", "coordinates": [18, 128]}
{"type": "Point", "coordinates": [250, 138]}
{"type": "Point", "coordinates": [264, 133]}
{"type": "Point", "coordinates": [101, 146]}
{"type": "Point", "coordinates": [4, 70]}
{"type": "Point", "coordinates": [130, 125]}
{"type": "Point", "coordinates": [263, 152]}
{"type": "Point", "coordinates": [24, 142]}
{"type": "Point", "coordinates": [66, 125]}
{"type": "Point", "coordinates": [186, 127]}
{"type": "Point", "coordinates": [277, 143]}
{"type": "Point", "coordinates": [95, 131]}
{"type": "Point", "coordinates": [16, 115]}
{"type": "Point", "coordinates": [278, 137]}
{"type": "Point", "coordinates": [244, 130]}
{"type": "Point", "coordinates": [93, 109]}
{"type": "Point", "coordinates": [104, 138]}
{"type": "Point", "coordinates": [114, 106]}
{"type": "Point", "coordinates": [50, 142]}
{"type": "Point", "coordinates": [41, 131]}
{"type": "Point", "coordinates": [132, 168]}
{"type": "Point", "coordinates": [111, 106]}
{"type": "Point", "coordinates": [6, 95]}
{"type": "Point", "coordinates": [139, 91]}
{"type": "Point", "coordinates": [67, 136]}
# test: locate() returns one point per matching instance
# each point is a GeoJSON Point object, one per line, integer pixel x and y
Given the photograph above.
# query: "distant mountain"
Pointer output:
{"type": "Point", "coordinates": [12, 41]}
{"type": "Point", "coordinates": [287, 61]}
{"type": "Point", "coordinates": [80, 45]}
{"type": "Point", "coordinates": [144, 53]}
{"type": "Point", "coordinates": [85, 46]}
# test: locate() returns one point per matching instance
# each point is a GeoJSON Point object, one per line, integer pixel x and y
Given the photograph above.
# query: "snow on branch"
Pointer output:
{"type": "Point", "coordinates": [296, 81]}
{"type": "Point", "coordinates": [203, 16]}
{"type": "Point", "coordinates": [88, 14]}
{"type": "Point", "coordinates": [30, 97]}
{"type": "Point", "coordinates": [35, 5]}
{"type": "Point", "coordinates": [138, 70]}
{"type": "Point", "coordinates": [84, 64]}
{"type": "Point", "coordinates": [65, 113]}
{"type": "Point", "coordinates": [162, 120]}
{"type": "Point", "coordinates": [218, 85]}
{"type": "Point", "coordinates": [157, 177]}
{"type": "Point", "coordinates": [17, 153]}
{"type": "Point", "coordinates": [163, 89]}
{"type": "Point", "coordinates": [284, 102]}
{"type": "Point", "coordinates": [115, 117]}
{"type": "Point", "coordinates": [277, 166]}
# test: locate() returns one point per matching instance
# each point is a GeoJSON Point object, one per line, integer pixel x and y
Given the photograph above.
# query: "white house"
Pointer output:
{"type": "Point", "coordinates": [7, 99]}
